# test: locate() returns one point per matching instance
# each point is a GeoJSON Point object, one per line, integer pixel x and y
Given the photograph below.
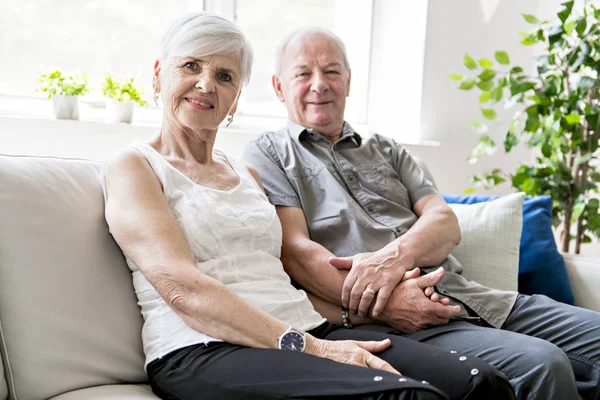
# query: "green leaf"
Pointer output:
{"type": "Point", "coordinates": [498, 179]}
{"type": "Point", "coordinates": [469, 62]}
{"type": "Point", "coordinates": [516, 70]}
{"type": "Point", "coordinates": [486, 63]}
{"type": "Point", "coordinates": [573, 119]}
{"type": "Point", "coordinates": [489, 113]}
{"type": "Point", "coordinates": [577, 211]}
{"type": "Point", "coordinates": [468, 84]}
{"type": "Point", "coordinates": [531, 19]}
{"type": "Point", "coordinates": [478, 127]}
{"type": "Point", "coordinates": [529, 40]}
{"type": "Point", "coordinates": [487, 75]}
{"type": "Point", "coordinates": [469, 191]}
{"type": "Point", "coordinates": [510, 141]}
{"type": "Point", "coordinates": [530, 186]}
{"type": "Point", "coordinates": [566, 11]}
{"type": "Point", "coordinates": [569, 26]}
{"type": "Point", "coordinates": [547, 149]}
{"type": "Point", "coordinates": [502, 57]}
{"type": "Point", "coordinates": [518, 179]}
{"type": "Point", "coordinates": [497, 94]}
{"type": "Point", "coordinates": [485, 85]}
{"type": "Point", "coordinates": [555, 34]}
{"type": "Point", "coordinates": [456, 77]}
{"type": "Point", "coordinates": [581, 26]}
{"type": "Point", "coordinates": [485, 96]}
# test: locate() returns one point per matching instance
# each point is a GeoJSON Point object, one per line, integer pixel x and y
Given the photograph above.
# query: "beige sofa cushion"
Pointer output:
{"type": "Point", "coordinates": [584, 275]}
{"type": "Point", "coordinates": [111, 392]}
{"type": "Point", "coordinates": [3, 388]}
{"type": "Point", "coordinates": [68, 311]}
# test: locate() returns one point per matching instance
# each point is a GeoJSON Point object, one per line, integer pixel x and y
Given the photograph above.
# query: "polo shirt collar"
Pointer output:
{"type": "Point", "coordinates": [297, 132]}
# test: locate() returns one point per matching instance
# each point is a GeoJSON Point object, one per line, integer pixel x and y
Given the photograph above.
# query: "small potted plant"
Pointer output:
{"type": "Point", "coordinates": [122, 94]}
{"type": "Point", "coordinates": [64, 90]}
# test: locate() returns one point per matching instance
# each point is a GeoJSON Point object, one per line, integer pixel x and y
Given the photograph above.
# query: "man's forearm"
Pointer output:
{"type": "Point", "coordinates": [429, 241]}
{"type": "Point", "coordinates": [333, 313]}
{"type": "Point", "coordinates": [308, 264]}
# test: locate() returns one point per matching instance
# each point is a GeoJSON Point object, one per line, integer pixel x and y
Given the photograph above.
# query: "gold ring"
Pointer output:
{"type": "Point", "coordinates": [369, 290]}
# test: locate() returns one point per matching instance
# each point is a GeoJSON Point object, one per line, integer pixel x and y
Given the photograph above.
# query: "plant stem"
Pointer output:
{"type": "Point", "coordinates": [566, 233]}
{"type": "Point", "coordinates": [582, 182]}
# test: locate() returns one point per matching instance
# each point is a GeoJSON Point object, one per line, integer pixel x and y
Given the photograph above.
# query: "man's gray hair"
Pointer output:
{"type": "Point", "coordinates": [301, 34]}
{"type": "Point", "coordinates": [207, 34]}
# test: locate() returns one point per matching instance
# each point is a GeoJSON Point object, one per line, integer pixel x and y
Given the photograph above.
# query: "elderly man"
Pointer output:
{"type": "Point", "coordinates": [364, 230]}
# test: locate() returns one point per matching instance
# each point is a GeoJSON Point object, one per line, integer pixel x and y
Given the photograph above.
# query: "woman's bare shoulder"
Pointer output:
{"type": "Point", "coordinates": [127, 166]}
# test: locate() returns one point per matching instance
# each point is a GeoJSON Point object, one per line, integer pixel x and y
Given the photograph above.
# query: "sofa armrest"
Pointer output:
{"type": "Point", "coordinates": [584, 274]}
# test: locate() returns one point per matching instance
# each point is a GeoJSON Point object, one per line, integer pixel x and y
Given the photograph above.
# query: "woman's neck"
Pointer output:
{"type": "Point", "coordinates": [185, 144]}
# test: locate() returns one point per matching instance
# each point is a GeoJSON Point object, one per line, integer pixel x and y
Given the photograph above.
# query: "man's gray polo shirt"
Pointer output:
{"type": "Point", "coordinates": [357, 196]}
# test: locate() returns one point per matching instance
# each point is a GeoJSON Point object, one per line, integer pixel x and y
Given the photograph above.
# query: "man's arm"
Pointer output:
{"type": "Point", "coordinates": [427, 243]}
{"type": "Point", "coordinates": [306, 261]}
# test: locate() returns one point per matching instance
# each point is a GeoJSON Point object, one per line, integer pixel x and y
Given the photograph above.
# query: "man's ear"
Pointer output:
{"type": "Point", "coordinates": [156, 77]}
{"type": "Point", "coordinates": [348, 85]}
{"type": "Point", "coordinates": [277, 86]}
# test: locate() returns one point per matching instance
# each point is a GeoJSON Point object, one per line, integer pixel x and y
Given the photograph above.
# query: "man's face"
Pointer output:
{"type": "Point", "coordinates": [314, 83]}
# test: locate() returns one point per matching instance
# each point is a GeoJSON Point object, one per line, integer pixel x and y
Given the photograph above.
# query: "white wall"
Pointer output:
{"type": "Point", "coordinates": [87, 139]}
{"type": "Point", "coordinates": [453, 28]}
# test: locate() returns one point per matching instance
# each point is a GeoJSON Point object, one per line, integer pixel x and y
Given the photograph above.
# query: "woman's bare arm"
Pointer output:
{"type": "Point", "coordinates": [146, 230]}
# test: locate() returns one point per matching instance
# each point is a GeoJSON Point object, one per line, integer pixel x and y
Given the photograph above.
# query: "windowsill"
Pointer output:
{"type": "Point", "coordinates": [94, 110]}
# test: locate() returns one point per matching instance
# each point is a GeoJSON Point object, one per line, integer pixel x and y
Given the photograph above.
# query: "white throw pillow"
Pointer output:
{"type": "Point", "coordinates": [491, 234]}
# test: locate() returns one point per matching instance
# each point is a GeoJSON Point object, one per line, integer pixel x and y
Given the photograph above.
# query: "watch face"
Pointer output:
{"type": "Point", "coordinates": [292, 341]}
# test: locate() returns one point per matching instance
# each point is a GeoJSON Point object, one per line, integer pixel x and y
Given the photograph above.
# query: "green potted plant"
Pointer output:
{"type": "Point", "coordinates": [64, 91]}
{"type": "Point", "coordinates": [558, 109]}
{"type": "Point", "coordinates": [122, 94]}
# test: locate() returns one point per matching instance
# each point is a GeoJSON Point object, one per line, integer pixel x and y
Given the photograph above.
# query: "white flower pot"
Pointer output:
{"type": "Point", "coordinates": [119, 112]}
{"type": "Point", "coordinates": [65, 107]}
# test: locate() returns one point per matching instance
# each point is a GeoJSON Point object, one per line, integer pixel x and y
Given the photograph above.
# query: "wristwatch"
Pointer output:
{"type": "Point", "coordinates": [292, 340]}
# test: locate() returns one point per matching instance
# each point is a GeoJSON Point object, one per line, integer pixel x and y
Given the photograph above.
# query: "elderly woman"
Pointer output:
{"type": "Point", "coordinates": [222, 320]}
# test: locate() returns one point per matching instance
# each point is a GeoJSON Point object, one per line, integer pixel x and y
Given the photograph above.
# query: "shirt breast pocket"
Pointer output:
{"type": "Point", "coordinates": [386, 182]}
{"type": "Point", "coordinates": [305, 171]}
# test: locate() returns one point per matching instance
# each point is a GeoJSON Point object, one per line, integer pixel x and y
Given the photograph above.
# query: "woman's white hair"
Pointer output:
{"type": "Point", "coordinates": [207, 34]}
{"type": "Point", "coordinates": [301, 34]}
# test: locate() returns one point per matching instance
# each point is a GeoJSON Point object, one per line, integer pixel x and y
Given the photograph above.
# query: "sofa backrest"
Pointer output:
{"type": "Point", "coordinates": [3, 388]}
{"type": "Point", "coordinates": [68, 312]}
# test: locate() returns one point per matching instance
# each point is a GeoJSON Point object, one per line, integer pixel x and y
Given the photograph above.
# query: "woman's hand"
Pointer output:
{"type": "Point", "coordinates": [433, 296]}
{"type": "Point", "coordinates": [351, 352]}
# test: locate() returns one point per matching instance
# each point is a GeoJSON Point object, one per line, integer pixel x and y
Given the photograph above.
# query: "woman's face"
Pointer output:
{"type": "Point", "coordinates": [199, 91]}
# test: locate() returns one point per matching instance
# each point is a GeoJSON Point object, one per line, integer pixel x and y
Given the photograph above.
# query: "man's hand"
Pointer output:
{"type": "Point", "coordinates": [372, 276]}
{"type": "Point", "coordinates": [413, 306]}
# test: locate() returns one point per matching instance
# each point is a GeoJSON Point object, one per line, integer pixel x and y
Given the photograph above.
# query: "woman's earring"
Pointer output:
{"type": "Point", "coordinates": [229, 120]}
{"type": "Point", "coordinates": [156, 99]}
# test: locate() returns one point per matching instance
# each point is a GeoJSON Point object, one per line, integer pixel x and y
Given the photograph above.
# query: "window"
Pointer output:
{"type": "Point", "coordinates": [385, 42]}
{"type": "Point", "coordinates": [92, 36]}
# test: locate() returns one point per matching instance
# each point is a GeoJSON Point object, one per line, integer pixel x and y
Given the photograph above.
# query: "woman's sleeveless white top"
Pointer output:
{"type": "Point", "coordinates": [235, 237]}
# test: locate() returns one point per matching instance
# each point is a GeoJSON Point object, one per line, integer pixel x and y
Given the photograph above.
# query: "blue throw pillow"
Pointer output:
{"type": "Point", "coordinates": [542, 269]}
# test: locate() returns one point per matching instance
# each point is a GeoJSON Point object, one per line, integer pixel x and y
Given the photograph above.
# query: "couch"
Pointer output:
{"type": "Point", "coordinates": [70, 327]}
